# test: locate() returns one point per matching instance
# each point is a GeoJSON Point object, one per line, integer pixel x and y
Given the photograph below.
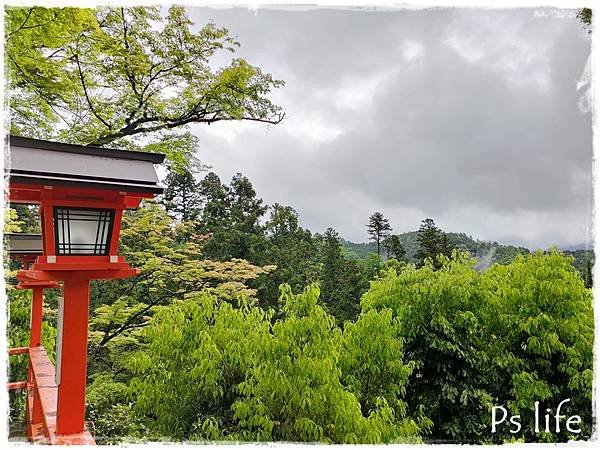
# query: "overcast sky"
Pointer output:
{"type": "Point", "coordinates": [475, 118]}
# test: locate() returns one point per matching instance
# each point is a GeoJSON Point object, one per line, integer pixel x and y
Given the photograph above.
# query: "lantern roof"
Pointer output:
{"type": "Point", "coordinates": [24, 243]}
{"type": "Point", "coordinates": [39, 162]}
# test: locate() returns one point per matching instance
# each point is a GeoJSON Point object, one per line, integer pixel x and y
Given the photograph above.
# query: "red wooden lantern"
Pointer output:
{"type": "Point", "coordinates": [25, 248]}
{"type": "Point", "coordinates": [82, 193]}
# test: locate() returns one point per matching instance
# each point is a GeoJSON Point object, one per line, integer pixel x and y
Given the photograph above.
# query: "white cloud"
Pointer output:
{"type": "Point", "coordinates": [315, 126]}
{"type": "Point", "coordinates": [515, 48]}
{"type": "Point", "coordinates": [412, 51]}
{"type": "Point", "coordinates": [357, 92]}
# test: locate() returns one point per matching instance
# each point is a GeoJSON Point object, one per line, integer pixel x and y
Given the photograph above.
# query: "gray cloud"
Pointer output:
{"type": "Point", "coordinates": [467, 116]}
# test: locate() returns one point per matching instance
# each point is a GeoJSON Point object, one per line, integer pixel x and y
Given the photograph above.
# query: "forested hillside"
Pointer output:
{"type": "Point", "coordinates": [485, 251]}
{"type": "Point", "coordinates": [477, 248]}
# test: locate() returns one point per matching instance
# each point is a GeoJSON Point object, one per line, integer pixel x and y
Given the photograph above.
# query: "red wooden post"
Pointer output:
{"type": "Point", "coordinates": [47, 227]}
{"type": "Point", "coordinates": [114, 240]}
{"type": "Point", "coordinates": [35, 338]}
{"type": "Point", "coordinates": [71, 358]}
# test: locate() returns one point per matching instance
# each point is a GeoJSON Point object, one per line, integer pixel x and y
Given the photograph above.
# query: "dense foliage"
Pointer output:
{"type": "Point", "coordinates": [511, 335]}
{"type": "Point", "coordinates": [195, 348]}
{"type": "Point", "coordinates": [113, 75]}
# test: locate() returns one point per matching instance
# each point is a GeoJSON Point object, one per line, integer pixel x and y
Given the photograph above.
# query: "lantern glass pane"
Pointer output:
{"type": "Point", "coordinates": [83, 231]}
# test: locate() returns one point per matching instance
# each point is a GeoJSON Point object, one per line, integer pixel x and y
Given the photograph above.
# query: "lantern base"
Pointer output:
{"type": "Point", "coordinates": [82, 262]}
{"type": "Point", "coordinates": [80, 267]}
{"type": "Point", "coordinates": [77, 273]}
{"type": "Point", "coordinates": [39, 284]}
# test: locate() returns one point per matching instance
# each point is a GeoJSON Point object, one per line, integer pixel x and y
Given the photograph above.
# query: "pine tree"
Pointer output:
{"type": "Point", "coordinates": [292, 249]}
{"type": "Point", "coordinates": [378, 229]}
{"type": "Point", "coordinates": [589, 277]}
{"type": "Point", "coordinates": [214, 196]}
{"type": "Point", "coordinates": [394, 247]}
{"type": "Point", "coordinates": [231, 216]}
{"type": "Point", "coordinates": [446, 245]}
{"type": "Point", "coordinates": [246, 209]}
{"type": "Point", "coordinates": [332, 263]}
{"type": "Point", "coordinates": [340, 279]}
{"type": "Point", "coordinates": [432, 242]}
{"type": "Point", "coordinates": [182, 197]}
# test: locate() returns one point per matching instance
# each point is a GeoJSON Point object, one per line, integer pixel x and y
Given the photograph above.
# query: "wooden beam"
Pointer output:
{"type": "Point", "coordinates": [18, 351]}
{"type": "Point", "coordinates": [17, 385]}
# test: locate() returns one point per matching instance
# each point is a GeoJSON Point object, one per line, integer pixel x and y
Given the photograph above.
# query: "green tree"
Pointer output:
{"type": "Point", "coordinates": [195, 354]}
{"type": "Point", "coordinates": [27, 216]}
{"type": "Point", "coordinates": [232, 216]}
{"type": "Point", "coordinates": [540, 332]}
{"type": "Point", "coordinates": [12, 224]}
{"type": "Point", "coordinates": [589, 274]}
{"type": "Point", "coordinates": [432, 243]}
{"type": "Point", "coordinates": [369, 268]}
{"type": "Point", "coordinates": [100, 76]}
{"type": "Point", "coordinates": [173, 270]}
{"type": "Point", "coordinates": [210, 371]}
{"type": "Point", "coordinates": [182, 197]}
{"type": "Point", "coordinates": [394, 247]}
{"type": "Point", "coordinates": [340, 279]}
{"type": "Point", "coordinates": [109, 407]}
{"type": "Point", "coordinates": [295, 392]}
{"type": "Point", "coordinates": [292, 249]}
{"type": "Point", "coordinates": [372, 360]}
{"type": "Point", "coordinates": [90, 53]}
{"type": "Point", "coordinates": [38, 79]}
{"type": "Point", "coordinates": [441, 331]}
{"type": "Point", "coordinates": [511, 335]}
{"type": "Point", "coordinates": [378, 229]}
{"type": "Point", "coordinates": [214, 195]}
{"type": "Point", "coordinates": [18, 302]}
{"type": "Point", "coordinates": [246, 212]}
{"type": "Point", "coordinates": [585, 15]}
{"type": "Point", "coordinates": [446, 245]}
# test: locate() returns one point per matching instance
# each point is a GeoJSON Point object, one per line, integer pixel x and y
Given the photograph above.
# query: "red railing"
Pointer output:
{"type": "Point", "coordinates": [42, 400]}
{"type": "Point", "coordinates": [17, 385]}
{"type": "Point", "coordinates": [42, 391]}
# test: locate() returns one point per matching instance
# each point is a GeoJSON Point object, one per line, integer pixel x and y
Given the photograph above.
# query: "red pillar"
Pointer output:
{"type": "Point", "coordinates": [35, 338]}
{"type": "Point", "coordinates": [71, 358]}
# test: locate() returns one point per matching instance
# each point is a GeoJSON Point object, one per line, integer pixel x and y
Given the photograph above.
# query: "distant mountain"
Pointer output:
{"type": "Point", "coordinates": [580, 258]}
{"type": "Point", "coordinates": [362, 250]}
{"type": "Point", "coordinates": [502, 253]}
{"type": "Point", "coordinates": [485, 251]}
{"type": "Point", "coordinates": [356, 250]}
{"type": "Point", "coordinates": [572, 248]}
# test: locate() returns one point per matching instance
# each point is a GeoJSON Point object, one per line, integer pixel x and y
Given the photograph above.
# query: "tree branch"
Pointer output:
{"type": "Point", "coordinates": [174, 123]}
{"type": "Point", "coordinates": [85, 91]}
{"type": "Point", "coordinates": [23, 27]}
{"type": "Point", "coordinates": [23, 24]}
{"type": "Point", "coordinates": [128, 324]}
